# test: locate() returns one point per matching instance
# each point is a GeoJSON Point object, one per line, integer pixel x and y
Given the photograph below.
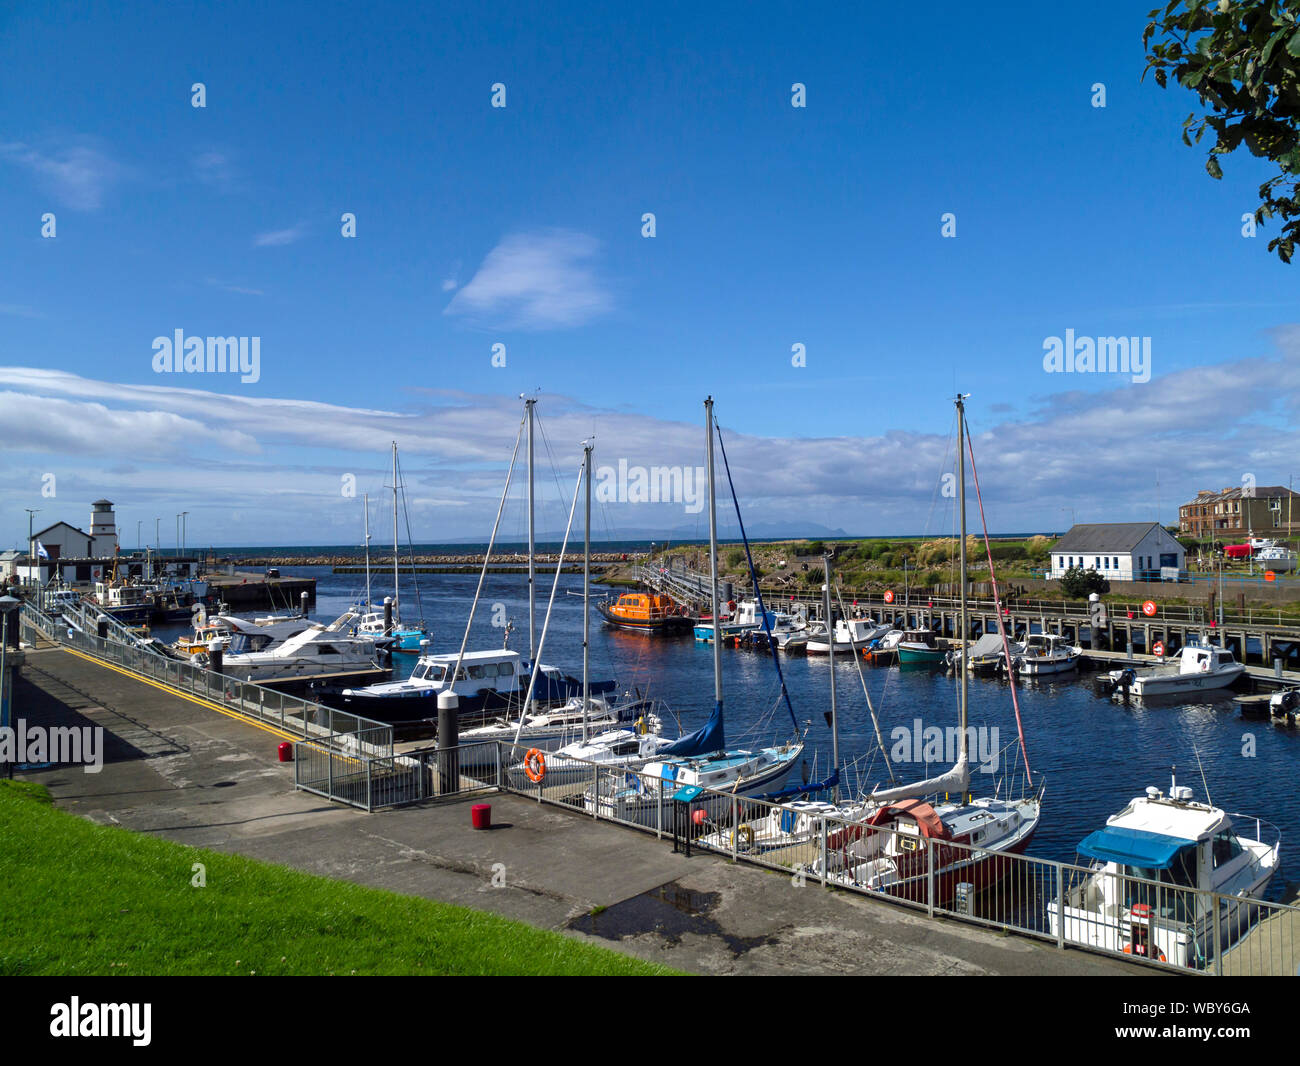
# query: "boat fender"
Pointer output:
{"type": "Point", "coordinates": [1128, 950]}
{"type": "Point", "coordinates": [535, 765]}
{"type": "Point", "coordinates": [745, 835]}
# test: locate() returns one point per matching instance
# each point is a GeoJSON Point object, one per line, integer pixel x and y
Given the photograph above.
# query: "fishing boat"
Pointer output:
{"type": "Point", "coordinates": [922, 840]}
{"type": "Point", "coordinates": [1200, 667]}
{"type": "Point", "coordinates": [851, 635]}
{"type": "Point", "coordinates": [699, 760]}
{"type": "Point", "coordinates": [1154, 867]}
{"type": "Point", "coordinates": [645, 612]}
{"type": "Point", "coordinates": [1045, 653]}
{"type": "Point", "coordinates": [129, 604]}
{"type": "Point", "coordinates": [921, 646]}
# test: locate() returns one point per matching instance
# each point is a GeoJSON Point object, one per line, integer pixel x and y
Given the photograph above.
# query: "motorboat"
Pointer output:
{"type": "Point", "coordinates": [921, 646]}
{"type": "Point", "coordinates": [1045, 653]}
{"type": "Point", "coordinates": [851, 635]}
{"type": "Point", "coordinates": [1284, 705]}
{"type": "Point", "coordinates": [743, 619]}
{"type": "Point", "coordinates": [574, 764]}
{"type": "Point", "coordinates": [549, 729]}
{"type": "Point", "coordinates": [130, 604]}
{"type": "Point", "coordinates": [313, 656]}
{"type": "Point", "coordinates": [1200, 667]}
{"type": "Point", "coordinates": [1153, 868]}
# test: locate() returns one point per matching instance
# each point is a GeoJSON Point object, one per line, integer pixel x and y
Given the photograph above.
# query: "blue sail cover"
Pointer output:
{"type": "Point", "coordinates": [703, 741]}
{"type": "Point", "coordinates": [1133, 847]}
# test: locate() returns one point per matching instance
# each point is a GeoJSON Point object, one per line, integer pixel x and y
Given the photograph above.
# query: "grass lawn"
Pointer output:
{"type": "Point", "coordinates": [85, 899]}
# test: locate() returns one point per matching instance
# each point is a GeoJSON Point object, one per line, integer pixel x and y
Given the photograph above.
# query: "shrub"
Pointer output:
{"type": "Point", "coordinates": [1078, 583]}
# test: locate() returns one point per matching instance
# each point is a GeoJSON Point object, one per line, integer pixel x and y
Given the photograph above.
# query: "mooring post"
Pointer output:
{"type": "Point", "coordinates": [448, 733]}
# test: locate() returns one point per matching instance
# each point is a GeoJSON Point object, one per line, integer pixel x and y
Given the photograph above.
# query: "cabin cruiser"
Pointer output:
{"type": "Point", "coordinates": [851, 635]}
{"type": "Point", "coordinates": [985, 656]}
{"type": "Point", "coordinates": [1045, 653]}
{"type": "Point", "coordinates": [744, 618]}
{"type": "Point", "coordinates": [921, 646]}
{"type": "Point", "coordinates": [487, 682]}
{"type": "Point", "coordinates": [1276, 557]}
{"type": "Point", "coordinates": [1199, 667]}
{"type": "Point", "coordinates": [1154, 867]}
{"type": "Point", "coordinates": [402, 637]}
{"type": "Point", "coordinates": [313, 656]}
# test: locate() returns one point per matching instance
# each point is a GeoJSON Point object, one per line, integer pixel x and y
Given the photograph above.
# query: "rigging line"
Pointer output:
{"type": "Point", "coordinates": [997, 605]}
{"type": "Point", "coordinates": [546, 443]}
{"type": "Point", "coordinates": [536, 666]}
{"type": "Point", "coordinates": [857, 659]}
{"type": "Point", "coordinates": [767, 625]}
{"type": "Point", "coordinates": [410, 546]}
{"type": "Point", "coordinates": [487, 556]}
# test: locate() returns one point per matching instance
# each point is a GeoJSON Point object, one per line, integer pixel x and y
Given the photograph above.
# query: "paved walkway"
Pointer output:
{"type": "Point", "coordinates": [180, 769]}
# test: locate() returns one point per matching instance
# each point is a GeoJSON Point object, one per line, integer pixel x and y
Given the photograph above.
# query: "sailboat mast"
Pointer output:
{"type": "Point", "coordinates": [532, 568]}
{"type": "Point", "coordinates": [365, 502]}
{"type": "Point", "coordinates": [830, 648]}
{"type": "Point", "coordinates": [586, 591]}
{"type": "Point", "coordinates": [395, 614]}
{"type": "Point", "coordinates": [713, 556]}
{"type": "Point", "coordinates": [961, 507]}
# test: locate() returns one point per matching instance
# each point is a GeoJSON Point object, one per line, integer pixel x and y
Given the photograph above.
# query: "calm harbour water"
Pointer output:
{"type": "Point", "coordinates": [1096, 752]}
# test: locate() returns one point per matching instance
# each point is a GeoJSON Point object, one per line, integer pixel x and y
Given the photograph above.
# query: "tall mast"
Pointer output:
{"type": "Point", "coordinates": [365, 498]}
{"type": "Point", "coordinates": [395, 613]}
{"type": "Point", "coordinates": [830, 648]}
{"type": "Point", "coordinates": [713, 557]}
{"type": "Point", "coordinates": [532, 569]}
{"type": "Point", "coordinates": [586, 590]}
{"type": "Point", "coordinates": [961, 508]}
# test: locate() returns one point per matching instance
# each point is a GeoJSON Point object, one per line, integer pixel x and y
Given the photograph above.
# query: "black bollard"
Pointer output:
{"type": "Point", "coordinates": [216, 655]}
{"type": "Point", "coordinates": [448, 738]}
{"type": "Point", "coordinates": [302, 602]}
{"type": "Point", "coordinates": [101, 627]}
{"type": "Point", "coordinates": [388, 616]}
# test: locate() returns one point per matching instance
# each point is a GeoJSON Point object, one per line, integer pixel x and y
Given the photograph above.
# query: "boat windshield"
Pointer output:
{"type": "Point", "coordinates": [1181, 873]}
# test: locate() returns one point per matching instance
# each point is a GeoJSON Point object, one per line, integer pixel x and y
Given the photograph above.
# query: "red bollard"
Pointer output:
{"type": "Point", "coordinates": [481, 815]}
{"type": "Point", "coordinates": [286, 751]}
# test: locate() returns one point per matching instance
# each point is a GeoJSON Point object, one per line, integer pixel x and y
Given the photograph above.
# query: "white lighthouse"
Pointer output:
{"type": "Point", "coordinates": [103, 529]}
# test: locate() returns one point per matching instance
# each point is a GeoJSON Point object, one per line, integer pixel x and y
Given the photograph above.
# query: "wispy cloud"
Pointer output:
{"type": "Point", "coordinates": [535, 281]}
{"type": "Point", "coordinates": [277, 237]}
{"type": "Point", "coordinates": [227, 287]}
{"type": "Point", "coordinates": [76, 174]}
{"type": "Point", "coordinates": [19, 311]}
{"type": "Point", "coordinates": [216, 170]}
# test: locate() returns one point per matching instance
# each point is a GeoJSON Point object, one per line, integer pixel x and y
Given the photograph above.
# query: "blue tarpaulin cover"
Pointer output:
{"type": "Point", "coordinates": [1133, 847]}
{"type": "Point", "coordinates": [703, 741]}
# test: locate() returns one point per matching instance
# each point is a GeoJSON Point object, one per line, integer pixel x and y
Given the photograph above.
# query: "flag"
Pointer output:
{"type": "Point", "coordinates": [41, 553]}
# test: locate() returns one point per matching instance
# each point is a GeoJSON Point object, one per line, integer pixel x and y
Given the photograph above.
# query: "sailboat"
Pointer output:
{"type": "Point", "coordinates": [702, 758]}
{"type": "Point", "coordinates": [913, 826]}
{"type": "Point", "coordinates": [406, 638]}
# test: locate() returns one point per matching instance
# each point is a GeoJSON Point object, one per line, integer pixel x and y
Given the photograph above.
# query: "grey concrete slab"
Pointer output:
{"type": "Point", "coordinates": [183, 771]}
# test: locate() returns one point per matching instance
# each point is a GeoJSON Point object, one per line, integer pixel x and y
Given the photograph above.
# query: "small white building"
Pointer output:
{"type": "Point", "coordinates": [64, 541]}
{"type": "Point", "coordinates": [1120, 551]}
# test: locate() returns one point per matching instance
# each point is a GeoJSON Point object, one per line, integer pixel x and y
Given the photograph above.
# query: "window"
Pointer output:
{"type": "Point", "coordinates": [476, 673]}
{"type": "Point", "coordinates": [505, 669]}
{"type": "Point", "coordinates": [1117, 562]}
{"type": "Point", "coordinates": [1226, 848]}
{"type": "Point", "coordinates": [1096, 563]}
{"type": "Point", "coordinates": [1107, 566]}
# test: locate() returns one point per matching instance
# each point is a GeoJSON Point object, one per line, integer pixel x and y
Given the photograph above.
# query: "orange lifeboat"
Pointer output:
{"type": "Point", "coordinates": [644, 611]}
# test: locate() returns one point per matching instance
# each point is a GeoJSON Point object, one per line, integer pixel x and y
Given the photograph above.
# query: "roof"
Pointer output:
{"type": "Point", "coordinates": [56, 526]}
{"type": "Point", "coordinates": [1259, 492]}
{"type": "Point", "coordinates": [1133, 847]}
{"type": "Point", "coordinates": [1105, 536]}
{"type": "Point", "coordinates": [102, 503]}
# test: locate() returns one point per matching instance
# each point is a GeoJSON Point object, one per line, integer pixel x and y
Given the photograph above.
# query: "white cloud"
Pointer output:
{"type": "Point", "coordinates": [216, 170]}
{"type": "Point", "coordinates": [275, 238]}
{"type": "Point", "coordinates": [534, 281]}
{"type": "Point", "coordinates": [77, 174]}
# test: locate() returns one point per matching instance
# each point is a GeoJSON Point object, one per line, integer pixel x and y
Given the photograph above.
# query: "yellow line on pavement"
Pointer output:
{"type": "Point", "coordinates": [209, 704]}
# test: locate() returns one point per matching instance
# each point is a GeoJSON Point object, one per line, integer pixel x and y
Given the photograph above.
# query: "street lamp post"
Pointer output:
{"type": "Point", "coordinates": [31, 546]}
{"type": "Point", "coordinates": [7, 606]}
{"type": "Point", "coordinates": [183, 525]}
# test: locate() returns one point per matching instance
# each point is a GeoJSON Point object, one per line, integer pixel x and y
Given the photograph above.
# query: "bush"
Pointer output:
{"type": "Point", "coordinates": [1078, 583]}
{"type": "Point", "coordinates": [734, 558]}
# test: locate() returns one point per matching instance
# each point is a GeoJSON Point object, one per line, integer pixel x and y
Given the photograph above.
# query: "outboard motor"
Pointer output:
{"type": "Point", "coordinates": [1285, 704]}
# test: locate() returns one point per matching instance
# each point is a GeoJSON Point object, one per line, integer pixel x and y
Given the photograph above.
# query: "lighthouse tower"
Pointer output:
{"type": "Point", "coordinates": [103, 529]}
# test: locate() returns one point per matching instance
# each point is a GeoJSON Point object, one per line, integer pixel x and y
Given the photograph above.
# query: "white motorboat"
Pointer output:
{"type": "Point", "coordinates": [574, 764]}
{"type": "Point", "coordinates": [1276, 557]}
{"type": "Point", "coordinates": [548, 730]}
{"type": "Point", "coordinates": [313, 655]}
{"type": "Point", "coordinates": [1045, 653]}
{"type": "Point", "coordinates": [851, 634]}
{"type": "Point", "coordinates": [1155, 865]}
{"type": "Point", "coordinates": [1284, 705]}
{"type": "Point", "coordinates": [1200, 667]}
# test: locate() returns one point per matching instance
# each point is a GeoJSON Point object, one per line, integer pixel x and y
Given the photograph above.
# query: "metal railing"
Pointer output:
{"type": "Point", "coordinates": [290, 714]}
{"type": "Point", "coordinates": [368, 781]}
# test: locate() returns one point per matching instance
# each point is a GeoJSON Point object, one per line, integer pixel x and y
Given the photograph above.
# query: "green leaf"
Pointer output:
{"type": "Point", "coordinates": [1293, 44]}
{"type": "Point", "coordinates": [1212, 168]}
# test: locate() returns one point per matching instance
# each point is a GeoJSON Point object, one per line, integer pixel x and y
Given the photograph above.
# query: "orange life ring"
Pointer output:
{"type": "Point", "coordinates": [535, 765]}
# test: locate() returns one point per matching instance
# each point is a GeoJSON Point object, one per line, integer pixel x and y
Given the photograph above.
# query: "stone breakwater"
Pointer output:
{"type": "Point", "coordinates": [378, 560]}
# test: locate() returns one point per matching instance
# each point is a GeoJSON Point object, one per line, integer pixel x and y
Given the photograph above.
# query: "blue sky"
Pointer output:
{"type": "Point", "coordinates": [521, 225]}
